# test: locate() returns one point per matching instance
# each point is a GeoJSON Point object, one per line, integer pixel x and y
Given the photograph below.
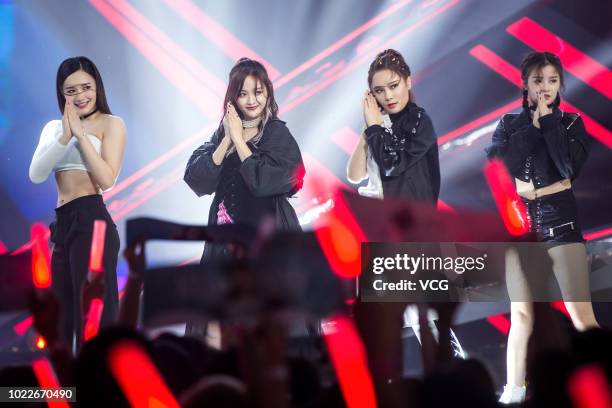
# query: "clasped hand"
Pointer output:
{"type": "Point", "coordinates": [232, 124]}
{"type": "Point", "coordinates": [71, 120]}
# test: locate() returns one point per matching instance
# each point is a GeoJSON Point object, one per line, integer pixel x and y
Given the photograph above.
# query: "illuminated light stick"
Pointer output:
{"type": "Point", "coordinates": [588, 388]}
{"type": "Point", "coordinates": [340, 245]}
{"type": "Point", "coordinates": [138, 377]}
{"type": "Point", "coordinates": [47, 379]}
{"type": "Point", "coordinates": [509, 204]}
{"type": "Point", "coordinates": [338, 232]}
{"type": "Point", "coordinates": [348, 357]}
{"type": "Point", "coordinates": [97, 246]}
{"type": "Point", "coordinates": [94, 315]}
{"type": "Point", "coordinates": [28, 245]}
{"type": "Point", "coordinates": [41, 258]}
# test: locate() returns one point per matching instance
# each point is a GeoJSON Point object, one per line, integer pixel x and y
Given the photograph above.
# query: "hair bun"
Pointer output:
{"type": "Point", "coordinates": [389, 59]}
{"type": "Point", "coordinates": [389, 55]}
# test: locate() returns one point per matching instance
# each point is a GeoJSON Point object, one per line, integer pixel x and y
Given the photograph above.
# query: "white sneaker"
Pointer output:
{"type": "Point", "coordinates": [513, 394]}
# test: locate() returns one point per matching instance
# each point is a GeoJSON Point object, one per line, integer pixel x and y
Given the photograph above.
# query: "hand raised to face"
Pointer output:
{"type": "Point", "coordinates": [371, 111]}
{"type": "Point", "coordinates": [541, 110]}
{"type": "Point", "coordinates": [542, 105]}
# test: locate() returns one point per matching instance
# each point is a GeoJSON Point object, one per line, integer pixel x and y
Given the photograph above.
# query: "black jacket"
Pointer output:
{"type": "Point", "coordinates": [554, 152]}
{"type": "Point", "coordinates": [275, 169]}
{"type": "Point", "coordinates": [408, 156]}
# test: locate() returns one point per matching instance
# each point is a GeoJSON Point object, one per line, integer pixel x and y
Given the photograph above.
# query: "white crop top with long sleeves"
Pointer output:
{"type": "Point", "coordinates": [51, 155]}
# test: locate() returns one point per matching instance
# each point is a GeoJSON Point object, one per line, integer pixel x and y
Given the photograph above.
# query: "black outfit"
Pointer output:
{"type": "Point", "coordinates": [253, 189]}
{"type": "Point", "coordinates": [233, 191]}
{"type": "Point", "coordinates": [407, 156]}
{"type": "Point", "coordinates": [552, 153]}
{"type": "Point", "coordinates": [71, 233]}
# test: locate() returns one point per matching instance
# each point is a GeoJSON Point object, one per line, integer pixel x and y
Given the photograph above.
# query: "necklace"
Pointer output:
{"type": "Point", "coordinates": [247, 124]}
{"type": "Point", "coordinates": [89, 114]}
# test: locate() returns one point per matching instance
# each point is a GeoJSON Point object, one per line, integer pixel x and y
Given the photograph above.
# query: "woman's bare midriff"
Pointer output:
{"type": "Point", "coordinates": [72, 184]}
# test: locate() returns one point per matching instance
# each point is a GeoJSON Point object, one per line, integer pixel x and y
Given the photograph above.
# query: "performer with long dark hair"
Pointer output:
{"type": "Point", "coordinates": [544, 149]}
{"type": "Point", "coordinates": [251, 164]}
{"type": "Point", "coordinates": [85, 151]}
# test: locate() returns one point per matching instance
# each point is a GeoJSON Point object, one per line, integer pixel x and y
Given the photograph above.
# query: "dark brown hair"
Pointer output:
{"type": "Point", "coordinates": [243, 68]}
{"type": "Point", "coordinates": [393, 61]}
{"type": "Point", "coordinates": [69, 67]}
{"type": "Point", "coordinates": [538, 60]}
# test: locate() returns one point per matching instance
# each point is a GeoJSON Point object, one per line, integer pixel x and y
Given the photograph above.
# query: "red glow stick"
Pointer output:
{"type": "Point", "coordinates": [509, 204]}
{"type": "Point", "coordinates": [97, 246]}
{"type": "Point", "coordinates": [96, 254]}
{"type": "Point", "coordinates": [92, 325]}
{"type": "Point", "coordinates": [47, 379]}
{"type": "Point", "coordinates": [41, 271]}
{"type": "Point", "coordinates": [588, 388]}
{"type": "Point", "coordinates": [349, 359]}
{"type": "Point", "coordinates": [340, 238]}
{"type": "Point", "coordinates": [138, 377]}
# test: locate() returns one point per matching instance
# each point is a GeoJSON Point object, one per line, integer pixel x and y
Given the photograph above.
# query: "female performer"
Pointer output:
{"type": "Point", "coordinates": [397, 152]}
{"type": "Point", "coordinates": [544, 149]}
{"type": "Point", "coordinates": [85, 150]}
{"type": "Point", "coordinates": [252, 163]}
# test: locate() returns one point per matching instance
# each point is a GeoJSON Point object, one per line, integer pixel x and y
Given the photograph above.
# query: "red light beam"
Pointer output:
{"type": "Point", "coordinates": [576, 62]}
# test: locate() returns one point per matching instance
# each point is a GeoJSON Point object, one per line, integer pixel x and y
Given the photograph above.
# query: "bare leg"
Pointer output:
{"type": "Point", "coordinates": [571, 270]}
{"type": "Point", "coordinates": [521, 317]}
{"type": "Point", "coordinates": [521, 325]}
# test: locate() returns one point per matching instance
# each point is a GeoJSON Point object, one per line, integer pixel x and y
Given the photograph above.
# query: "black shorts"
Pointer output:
{"type": "Point", "coordinates": [554, 218]}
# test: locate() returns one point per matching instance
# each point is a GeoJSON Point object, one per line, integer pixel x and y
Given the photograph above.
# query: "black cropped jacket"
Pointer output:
{"type": "Point", "coordinates": [407, 157]}
{"type": "Point", "coordinates": [554, 152]}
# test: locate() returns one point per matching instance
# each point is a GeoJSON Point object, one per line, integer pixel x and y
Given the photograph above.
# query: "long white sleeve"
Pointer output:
{"type": "Point", "coordinates": [48, 153]}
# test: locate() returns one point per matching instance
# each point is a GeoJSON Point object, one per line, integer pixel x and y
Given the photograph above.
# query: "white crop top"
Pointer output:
{"type": "Point", "coordinates": [51, 155]}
